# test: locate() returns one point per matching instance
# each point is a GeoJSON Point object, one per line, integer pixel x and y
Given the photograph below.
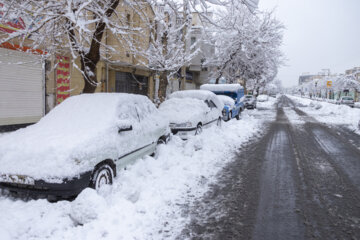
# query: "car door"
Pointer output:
{"type": "Point", "coordinates": [129, 133]}
{"type": "Point", "coordinates": [149, 127]}
{"type": "Point", "coordinates": [214, 112]}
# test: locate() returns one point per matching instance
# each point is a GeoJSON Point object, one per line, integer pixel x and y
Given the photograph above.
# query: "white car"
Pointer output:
{"type": "Point", "coordinates": [262, 98]}
{"type": "Point", "coordinates": [190, 111]}
{"type": "Point", "coordinates": [346, 100]}
{"type": "Point", "coordinates": [83, 142]}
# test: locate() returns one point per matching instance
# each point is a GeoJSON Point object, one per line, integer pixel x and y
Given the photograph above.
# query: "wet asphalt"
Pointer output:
{"type": "Point", "coordinates": [297, 181]}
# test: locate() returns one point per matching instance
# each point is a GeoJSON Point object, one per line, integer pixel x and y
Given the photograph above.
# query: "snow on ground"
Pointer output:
{"type": "Point", "coordinates": [269, 104]}
{"type": "Point", "coordinates": [145, 201]}
{"type": "Point", "coordinates": [329, 113]}
{"type": "Point", "coordinates": [293, 117]}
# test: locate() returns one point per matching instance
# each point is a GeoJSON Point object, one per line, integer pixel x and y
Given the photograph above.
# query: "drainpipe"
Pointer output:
{"type": "Point", "coordinates": [107, 77]}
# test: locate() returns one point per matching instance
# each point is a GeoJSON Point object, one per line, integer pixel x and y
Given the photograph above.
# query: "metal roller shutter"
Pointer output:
{"type": "Point", "coordinates": [21, 87]}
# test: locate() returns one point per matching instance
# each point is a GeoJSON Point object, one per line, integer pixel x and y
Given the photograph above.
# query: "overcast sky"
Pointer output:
{"type": "Point", "coordinates": [320, 34]}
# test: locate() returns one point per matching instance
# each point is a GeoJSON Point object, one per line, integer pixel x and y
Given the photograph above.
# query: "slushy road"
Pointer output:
{"type": "Point", "coordinates": [301, 180]}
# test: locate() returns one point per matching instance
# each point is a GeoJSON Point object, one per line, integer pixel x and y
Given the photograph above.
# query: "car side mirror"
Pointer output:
{"type": "Point", "coordinates": [125, 128]}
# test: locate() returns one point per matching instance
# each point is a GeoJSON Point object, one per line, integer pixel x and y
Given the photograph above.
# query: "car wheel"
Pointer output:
{"type": "Point", "coordinates": [238, 116]}
{"type": "Point", "coordinates": [218, 123]}
{"type": "Point", "coordinates": [102, 175]}
{"type": "Point", "coordinates": [198, 129]}
{"type": "Point", "coordinates": [229, 116]}
{"type": "Point", "coordinates": [161, 141]}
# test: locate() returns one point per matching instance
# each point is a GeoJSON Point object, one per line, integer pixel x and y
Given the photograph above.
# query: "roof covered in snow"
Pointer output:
{"type": "Point", "coordinates": [222, 87]}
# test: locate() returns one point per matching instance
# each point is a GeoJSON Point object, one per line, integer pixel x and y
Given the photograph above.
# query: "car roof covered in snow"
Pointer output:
{"type": "Point", "coordinates": [198, 94]}
{"type": "Point", "coordinates": [222, 87]}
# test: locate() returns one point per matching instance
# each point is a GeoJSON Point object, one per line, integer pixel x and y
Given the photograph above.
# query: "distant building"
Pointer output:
{"type": "Point", "coordinates": [355, 71]}
{"type": "Point", "coordinates": [306, 78]}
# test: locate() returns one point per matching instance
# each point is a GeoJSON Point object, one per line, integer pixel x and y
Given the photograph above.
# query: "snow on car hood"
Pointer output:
{"type": "Point", "coordinates": [228, 101]}
{"type": "Point", "coordinates": [198, 94]}
{"type": "Point", "coordinates": [70, 139]}
{"type": "Point", "coordinates": [184, 110]}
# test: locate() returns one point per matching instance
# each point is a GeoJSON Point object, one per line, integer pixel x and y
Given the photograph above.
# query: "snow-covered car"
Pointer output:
{"type": "Point", "coordinates": [190, 111]}
{"type": "Point", "coordinates": [346, 100]}
{"type": "Point", "coordinates": [83, 142]}
{"type": "Point", "coordinates": [229, 105]}
{"type": "Point", "coordinates": [262, 98]}
{"type": "Point", "coordinates": [234, 91]}
{"type": "Point", "coordinates": [250, 101]}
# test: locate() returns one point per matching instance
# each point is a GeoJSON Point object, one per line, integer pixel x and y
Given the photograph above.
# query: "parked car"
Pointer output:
{"type": "Point", "coordinates": [235, 91]}
{"type": "Point", "coordinates": [83, 142]}
{"type": "Point", "coordinates": [250, 101]}
{"type": "Point", "coordinates": [262, 98]}
{"type": "Point", "coordinates": [346, 100]}
{"type": "Point", "coordinates": [229, 106]}
{"type": "Point", "coordinates": [190, 111]}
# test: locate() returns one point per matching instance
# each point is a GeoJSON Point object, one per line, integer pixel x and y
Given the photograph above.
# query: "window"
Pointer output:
{"type": "Point", "coordinates": [193, 40]}
{"type": "Point", "coordinates": [212, 104]}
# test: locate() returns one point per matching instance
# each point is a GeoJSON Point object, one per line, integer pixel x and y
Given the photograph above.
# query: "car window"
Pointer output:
{"type": "Point", "coordinates": [212, 104]}
{"type": "Point", "coordinates": [144, 109]}
{"type": "Point", "coordinates": [126, 112]}
{"type": "Point", "coordinates": [207, 103]}
{"type": "Point", "coordinates": [248, 96]}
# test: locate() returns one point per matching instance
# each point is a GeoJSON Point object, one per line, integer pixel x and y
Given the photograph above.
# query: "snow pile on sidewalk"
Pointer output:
{"type": "Point", "coordinates": [329, 113]}
{"type": "Point", "coordinates": [145, 202]}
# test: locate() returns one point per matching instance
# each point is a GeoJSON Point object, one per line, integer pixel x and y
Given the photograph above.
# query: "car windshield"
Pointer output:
{"type": "Point", "coordinates": [249, 96]}
{"type": "Point", "coordinates": [347, 98]}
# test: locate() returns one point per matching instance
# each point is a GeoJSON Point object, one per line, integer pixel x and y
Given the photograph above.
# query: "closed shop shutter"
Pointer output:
{"type": "Point", "coordinates": [21, 87]}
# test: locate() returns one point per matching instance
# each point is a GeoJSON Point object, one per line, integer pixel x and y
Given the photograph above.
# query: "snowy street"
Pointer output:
{"type": "Point", "coordinates": [146, 201]}
{"type": "Point", "coordinates": [278, 173]}
{"type": "Point", "coordinates": [179, 120]}
{"type": "Point", "coordinates": [300, 181]}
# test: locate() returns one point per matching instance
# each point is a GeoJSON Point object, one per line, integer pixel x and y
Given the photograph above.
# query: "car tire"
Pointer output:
{"type": "Point", "coordinates": [229, 116]}
{"type": "Point", "coordinates": [103, 174]}
{"type": "Point", "coordinates": [238, 116]}
{"type": "Point", "coordinates": [161, 141]}
{"type": "Point", "coordinates": [198, 129]}
{"type": "Point", "coordinates": [218, 123]}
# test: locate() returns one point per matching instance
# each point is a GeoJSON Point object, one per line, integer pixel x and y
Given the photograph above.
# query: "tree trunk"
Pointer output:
{"type": "Point", "coordinates": [92, 57]}
{"type": "Point", "coordinates": [163, 83]}
{"type": "Point", "coordinates": [89, 74]}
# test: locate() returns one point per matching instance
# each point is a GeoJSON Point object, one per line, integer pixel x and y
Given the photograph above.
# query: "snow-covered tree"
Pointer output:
{"type": "Point", "coordinates": [167, 52]}
{"type": "Point", "coordinates": [75, 27]}
{"type": "Point", "coordinates": [248, 45]}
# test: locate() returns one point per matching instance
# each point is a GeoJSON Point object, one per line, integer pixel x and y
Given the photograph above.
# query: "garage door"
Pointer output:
{"type": "Point", "coordinates": [21, 88]}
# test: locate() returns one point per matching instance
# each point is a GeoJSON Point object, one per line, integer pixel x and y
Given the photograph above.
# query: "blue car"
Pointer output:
{"type": "Point", "coordinates": [234, 91]}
